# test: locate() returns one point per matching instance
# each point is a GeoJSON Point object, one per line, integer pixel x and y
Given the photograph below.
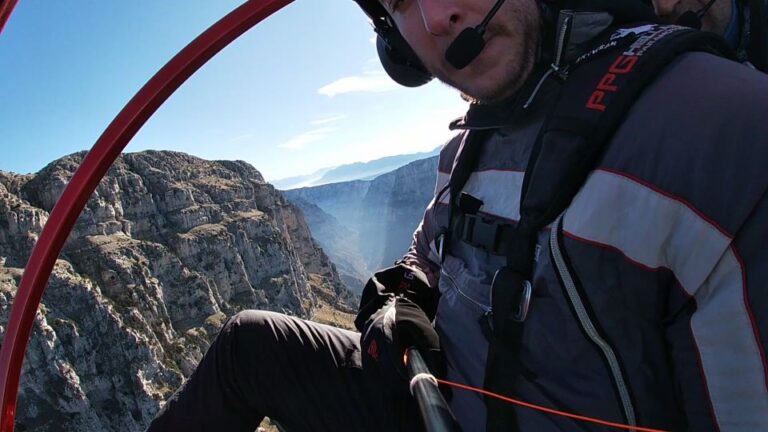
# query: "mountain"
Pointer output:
{"type": "Point", "coordinates": [340, 200]}
{"type": "Point", "coordinates": [302, 180]}
{"type": "Point", "coordinates": [167, 247]}
{"type": "Point", "coordinates": [350, 172]}
{"type": "Point", "coordinates": [378, 216]}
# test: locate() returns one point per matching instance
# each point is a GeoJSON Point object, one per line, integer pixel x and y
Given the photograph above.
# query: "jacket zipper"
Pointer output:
{"type": "Point", "coordinates": [562, 38]}
{"type": "Point", "coordinates": [587, 325]}
{"type": "Point", "coordinates": [556, 67]}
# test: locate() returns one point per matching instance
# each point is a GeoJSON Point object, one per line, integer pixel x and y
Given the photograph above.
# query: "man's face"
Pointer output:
{"type": "Point", "coordinates": [512, 38]}
{"type": "Point", "coordinates": [715, 20]}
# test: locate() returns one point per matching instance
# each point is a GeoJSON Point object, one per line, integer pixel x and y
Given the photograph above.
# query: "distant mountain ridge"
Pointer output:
{"type": "Point", "coordinates": [349, 172]}
{"type": "Point", "coordinates": [302, 180]}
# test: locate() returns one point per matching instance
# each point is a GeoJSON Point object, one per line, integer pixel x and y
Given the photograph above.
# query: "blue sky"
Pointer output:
{"type": "Point", "coordinates": [300, 91]}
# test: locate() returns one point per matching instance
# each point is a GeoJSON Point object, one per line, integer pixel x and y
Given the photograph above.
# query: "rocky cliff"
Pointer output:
{"type": "Point", "coordinates": [339, 241]}
{"type": "Point", "coordinates": [405, 194]}
{"type": "Point", "coordinates": [168, 246]}
{"type": "Point", "coordinates": [379, 216]}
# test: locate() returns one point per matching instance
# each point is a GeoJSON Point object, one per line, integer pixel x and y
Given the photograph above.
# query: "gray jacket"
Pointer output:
{"type": "Point", "coordinates": [649, 293]}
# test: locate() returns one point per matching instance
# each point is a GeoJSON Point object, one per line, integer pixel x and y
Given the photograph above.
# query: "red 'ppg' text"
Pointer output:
{"type": "Point", "coordinates": [621, 66]}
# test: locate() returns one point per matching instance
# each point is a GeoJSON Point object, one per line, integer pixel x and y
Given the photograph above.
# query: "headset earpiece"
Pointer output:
{"type": "Point", "coordinates": [399, 60]}
{"type": "Point", "coordinates": [396, 56]}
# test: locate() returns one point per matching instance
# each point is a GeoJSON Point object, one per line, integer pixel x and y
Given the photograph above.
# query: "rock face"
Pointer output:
{"type": "Point", "coordinates": [402, 196]}
{"type": "Point", "coordinates": [367, 225]}
{"type": "Point", "coordinates": [339, 241]}
{"type": "Point", "coordinates": [168, 246]}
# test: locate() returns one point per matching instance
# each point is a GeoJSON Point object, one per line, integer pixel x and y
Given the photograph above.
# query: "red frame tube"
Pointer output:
{"type": "Point", "coordinates": [87, 177]}
{"type": "Point", "coordinates": [6, 7]}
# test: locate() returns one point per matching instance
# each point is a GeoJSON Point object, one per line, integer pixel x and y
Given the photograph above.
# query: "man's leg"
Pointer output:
{"type": "Point", "coordinates": [307, 376]}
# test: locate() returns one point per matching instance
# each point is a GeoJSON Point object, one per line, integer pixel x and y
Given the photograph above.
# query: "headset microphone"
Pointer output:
{"type": "Point", "coordinates": [469, 43]}
{"type": "Point", "coordinates": [693, 19]}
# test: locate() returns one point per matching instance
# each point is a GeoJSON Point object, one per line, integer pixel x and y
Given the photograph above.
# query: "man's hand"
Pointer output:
{"type": "Point", "coordinates": [396, 312]}
{"type": "Point", "coordinates": [399, 280]}
{"type": "Point", "coordinates": [399, 325]}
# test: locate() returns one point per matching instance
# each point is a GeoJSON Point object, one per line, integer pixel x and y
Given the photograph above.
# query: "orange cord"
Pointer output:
{"type": "Point", "coordinates": [549, 410]}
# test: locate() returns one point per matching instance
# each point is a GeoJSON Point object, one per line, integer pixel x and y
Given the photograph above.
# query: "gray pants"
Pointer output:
{"type": "Point", "coordinates": [304, 375]}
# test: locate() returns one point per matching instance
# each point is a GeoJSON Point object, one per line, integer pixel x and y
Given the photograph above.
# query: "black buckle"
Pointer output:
{"type": "Point", "coordinates": [480, 232]}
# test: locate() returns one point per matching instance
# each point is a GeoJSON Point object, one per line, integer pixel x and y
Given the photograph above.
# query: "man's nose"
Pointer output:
{"type": "Point", "coordinates": [441, 18]}
{"type": "Point", "coordinates": [665, 8]}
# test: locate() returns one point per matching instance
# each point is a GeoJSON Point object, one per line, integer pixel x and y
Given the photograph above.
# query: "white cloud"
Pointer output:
{"type": "Point", "coordinates": [301, 141]}
{"type": "Point", "coordinates": [373, 39]}
{"type": "Point", "coordinates": [375, 82]}
{"type": "Point", "coordinates": [328, 119]}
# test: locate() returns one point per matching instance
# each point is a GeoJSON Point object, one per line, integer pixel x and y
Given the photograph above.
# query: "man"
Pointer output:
{"type": "Point", "coordinates": [743, 23]}
{"type": "Point", "coordinates": [638, 300]}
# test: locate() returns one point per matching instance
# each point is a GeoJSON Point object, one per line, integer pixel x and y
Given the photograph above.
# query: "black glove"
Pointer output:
{"type": "Point", "coordinates": [393, 281]}
{"type": "Point", "coordinates": [396, 313]}
{"type": "Point", "coordinates": [397, 326]}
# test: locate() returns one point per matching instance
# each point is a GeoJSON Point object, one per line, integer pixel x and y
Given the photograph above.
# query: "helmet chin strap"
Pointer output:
{"type": "Point", "coordinates": [757, 47]}
{"type": "Point", "coordinates": [693, 18]}
{"type": "Point", "coordinates": [703, 11]}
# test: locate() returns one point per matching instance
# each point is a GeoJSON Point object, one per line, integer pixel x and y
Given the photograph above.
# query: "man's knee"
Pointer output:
{"type": "Point", "coordinates": [227, 391]}
{"type": "Point", "coordinates": [252, 328]}
{"type": "Point", "coordinates": [265, 338]}
{"type": "Point", "coordinates": [249, 319]}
